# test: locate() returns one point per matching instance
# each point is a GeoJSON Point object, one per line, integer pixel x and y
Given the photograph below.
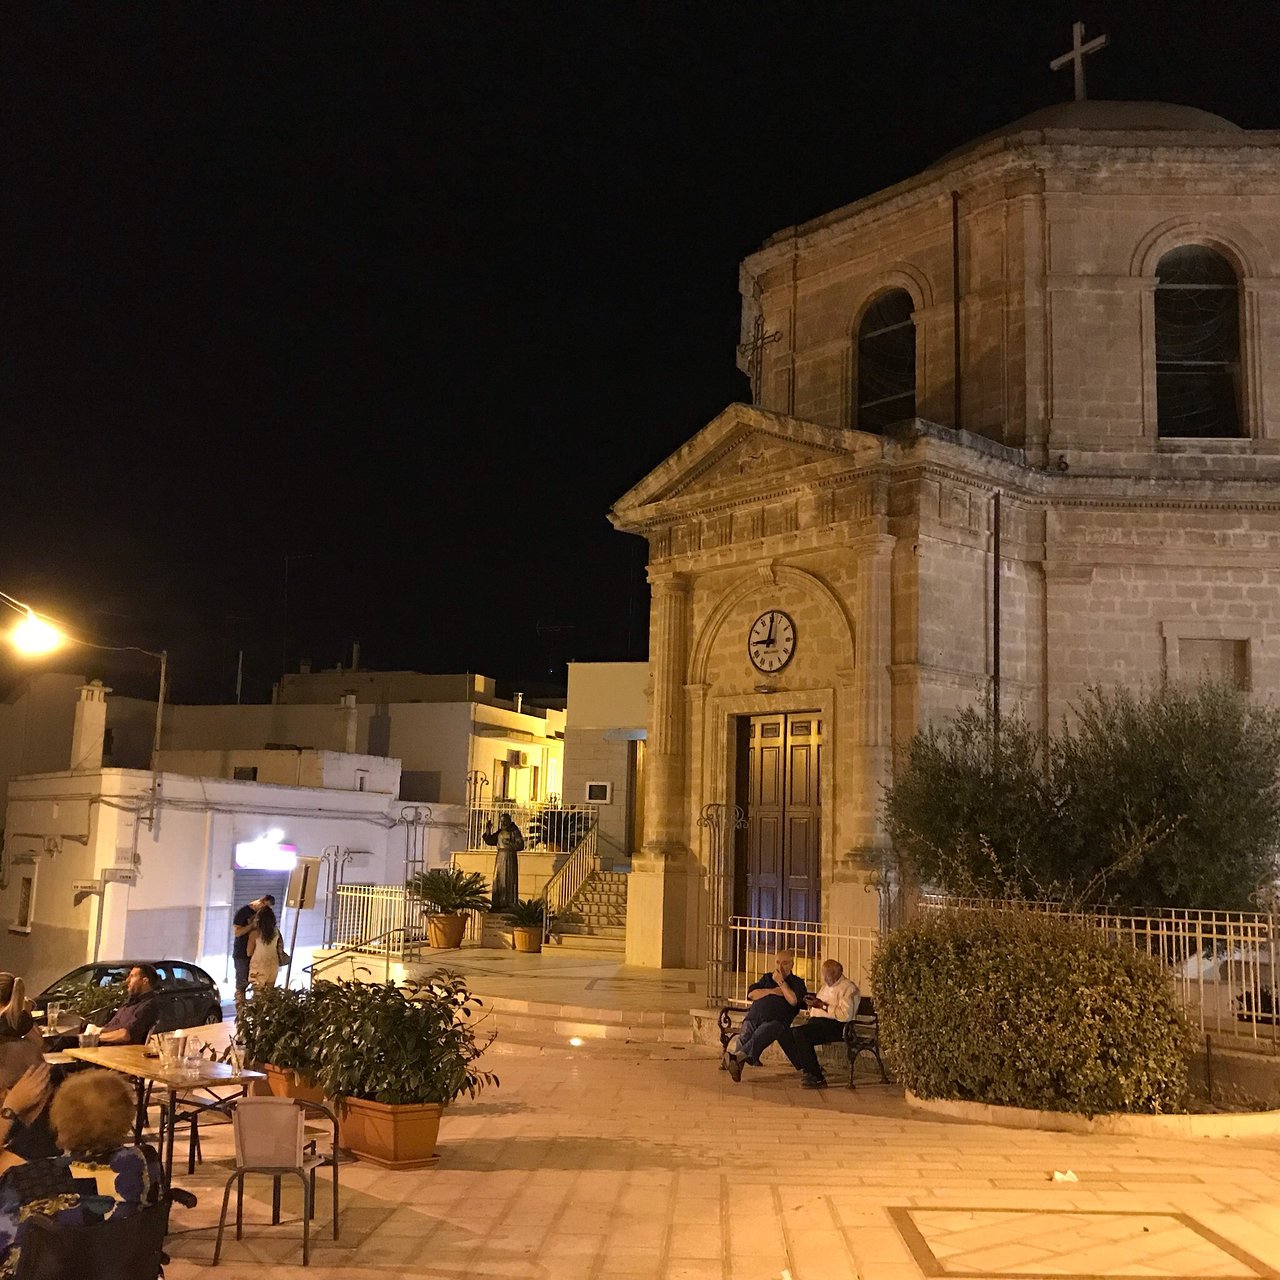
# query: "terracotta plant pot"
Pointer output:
{"type": "Point", "coordinates": [394, 1137]}
{"type": "Point", "coordinates": [446, 931]}
{"type": "Point", "coordinates": [287, 1083]}
{"type": "Point", "coordinates": [527, 938]}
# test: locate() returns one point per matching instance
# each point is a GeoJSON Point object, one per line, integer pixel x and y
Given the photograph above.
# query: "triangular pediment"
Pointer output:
{"type": "Point", "coordinates": [740, 450]}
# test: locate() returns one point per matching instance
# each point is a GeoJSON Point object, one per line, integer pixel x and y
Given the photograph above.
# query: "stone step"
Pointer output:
{"type": "Point", "coordinates": [590, 929]}
{"type": "Point", "coordinates": [556, 1027]}
{"type": "Point", "coordinates": [614, 948]}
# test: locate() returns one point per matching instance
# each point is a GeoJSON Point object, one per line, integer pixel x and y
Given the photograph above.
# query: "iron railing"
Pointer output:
{"type": "Point", "coordinates": [745, 947]}
{"type": "Point", "coordinates": [366, 911]}
{"type": "Point", "coordinates": [376, 945]}
{"type": "Point", "coordinates": [1223, 963]}
{"type": "Point", "coordinates": [567, 881]}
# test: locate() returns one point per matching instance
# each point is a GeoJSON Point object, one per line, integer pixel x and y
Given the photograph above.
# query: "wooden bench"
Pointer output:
{"type": "Point", "coordinates": [861, 1034]}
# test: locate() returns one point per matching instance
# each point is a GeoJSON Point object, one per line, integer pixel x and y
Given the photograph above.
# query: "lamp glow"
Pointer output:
{"type": "Point", "coordinates": [267, 853]}
{"type": "Point", "coordinates": [33, 636]}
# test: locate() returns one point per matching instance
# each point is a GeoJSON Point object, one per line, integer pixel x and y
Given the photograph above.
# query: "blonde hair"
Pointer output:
{"type": "Point", "coordinates": [13, 999]}
{"type": "Point", "coordinates": [92, 1112]}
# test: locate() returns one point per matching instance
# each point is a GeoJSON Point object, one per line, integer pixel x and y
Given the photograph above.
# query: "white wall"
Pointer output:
{"type": "Point", "coordinates": [181, 904]}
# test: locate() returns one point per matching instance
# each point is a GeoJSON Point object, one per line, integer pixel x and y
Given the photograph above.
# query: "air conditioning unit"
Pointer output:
{"type": "Point", "coordinates": [518, 758]}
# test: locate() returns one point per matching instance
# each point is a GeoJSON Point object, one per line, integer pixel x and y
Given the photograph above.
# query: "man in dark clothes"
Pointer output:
{"type": "Point", "coordinates": [775, 998]}
{"type": "Point", "coordinates": [134, 1020]}
{"type": "Point", "coordinates": [242, 923]}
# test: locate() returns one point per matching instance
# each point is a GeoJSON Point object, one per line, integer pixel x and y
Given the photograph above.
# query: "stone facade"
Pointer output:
{"type": "Point", "coordinates": [1124, 556]}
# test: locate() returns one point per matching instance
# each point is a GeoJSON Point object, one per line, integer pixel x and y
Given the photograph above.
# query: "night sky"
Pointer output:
{"type": "Point", "coordinates": [403, 296]}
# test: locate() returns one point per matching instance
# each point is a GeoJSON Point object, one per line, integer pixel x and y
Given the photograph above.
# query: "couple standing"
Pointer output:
{"type": "Point", "coordinates": [258, 950]}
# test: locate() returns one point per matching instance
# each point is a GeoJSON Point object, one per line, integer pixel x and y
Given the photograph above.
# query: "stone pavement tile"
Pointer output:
{"type": "Point", "coordinates": [631, 1261]}
{"type": "Point", "coordinates": [693, 1269]}
{"type": "Point", "coordinates": [814, 1252]}
{"type": "Point", "coordinates": [745, 1264]}
{"type": "Point", "coordinates": [697, 1211]}
{"type": "Point", "coordinates": [690, 1242]}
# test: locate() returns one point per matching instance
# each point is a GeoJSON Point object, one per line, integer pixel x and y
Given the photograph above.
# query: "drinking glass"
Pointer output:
{"type": "Point", "coordinates": [52, 1016]}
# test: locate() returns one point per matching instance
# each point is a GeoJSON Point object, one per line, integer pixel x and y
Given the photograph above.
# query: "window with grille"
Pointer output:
{"type": "Point", "coordinates": [1197, 344]}
{"type": "Point", "coordinates": [887, 362]}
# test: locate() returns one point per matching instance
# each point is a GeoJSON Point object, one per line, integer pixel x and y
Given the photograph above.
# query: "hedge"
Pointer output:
{"type": "Point", "coordinates": [1025, 1010]}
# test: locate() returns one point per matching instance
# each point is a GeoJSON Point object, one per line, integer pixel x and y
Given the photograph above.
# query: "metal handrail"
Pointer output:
{"type": "Point", "coordinates": [567, 881]}
{"type": "Point", "coordinates": [364, 943]}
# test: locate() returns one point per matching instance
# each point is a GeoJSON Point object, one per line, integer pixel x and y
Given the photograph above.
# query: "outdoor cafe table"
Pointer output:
{"type": "Point", "coordinates": [131, 1060]}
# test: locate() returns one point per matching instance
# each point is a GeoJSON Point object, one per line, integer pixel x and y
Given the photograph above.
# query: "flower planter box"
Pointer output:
{"type": "Point", "coordinates": [446, 931]}
{"type": "Point", "coordinates": [287, 1083]}
{"type": "Point", "coordinates": [393, 1137]}
{"type": "Point", "coordinates": [527, 938]}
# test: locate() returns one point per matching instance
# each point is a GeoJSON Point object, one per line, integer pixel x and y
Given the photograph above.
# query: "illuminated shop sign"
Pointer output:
{"type": "Point", "coordinates": [267, 853]}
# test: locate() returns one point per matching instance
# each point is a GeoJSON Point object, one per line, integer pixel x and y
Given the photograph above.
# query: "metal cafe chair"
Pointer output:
{"type": "Point", "coordinates": [271, 1138]}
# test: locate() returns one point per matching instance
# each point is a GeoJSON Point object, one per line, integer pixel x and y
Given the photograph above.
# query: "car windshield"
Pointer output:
{"type": "Point", "coordinates": [89, 976]}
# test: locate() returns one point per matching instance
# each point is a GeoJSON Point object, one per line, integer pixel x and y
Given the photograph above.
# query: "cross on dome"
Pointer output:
{"type": "Point", "coordinates": [1079, 51]}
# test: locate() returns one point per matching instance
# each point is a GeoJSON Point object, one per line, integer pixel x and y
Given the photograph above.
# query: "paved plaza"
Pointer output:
{"type": "Point", "coordinates": [613, 1161]}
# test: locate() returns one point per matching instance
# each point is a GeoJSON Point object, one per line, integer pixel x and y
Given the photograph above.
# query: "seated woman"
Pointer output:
{"type": "Point", "coordinates": [97, 1178]}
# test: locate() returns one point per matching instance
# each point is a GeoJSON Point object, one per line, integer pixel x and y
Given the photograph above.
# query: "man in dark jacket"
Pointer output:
{"type": "Point", "coordinates": [775, 998]}
{"type": "Point", "coordinates": [135, 1019]}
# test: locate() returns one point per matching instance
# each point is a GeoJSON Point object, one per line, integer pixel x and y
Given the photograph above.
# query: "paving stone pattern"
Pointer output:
{"type": "Point", "coordinates": [589, 1164]}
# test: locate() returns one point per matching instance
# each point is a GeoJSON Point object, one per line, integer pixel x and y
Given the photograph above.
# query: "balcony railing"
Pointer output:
{"type": "Point", "coordinates": [545, 825]}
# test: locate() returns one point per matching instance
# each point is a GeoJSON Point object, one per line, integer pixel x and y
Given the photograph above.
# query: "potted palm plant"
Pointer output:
{"type": "Point", "coordinates": [392, 1058]}
{"type": "Point", "coordinates": [277, 1029]}
{"type": "Point", "coordinates": [528, 919]}
{"type": "Point", "coordinates": [446, 895]}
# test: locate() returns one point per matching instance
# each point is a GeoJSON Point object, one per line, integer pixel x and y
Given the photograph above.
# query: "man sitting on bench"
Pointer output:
{"type": "Point", "coordinates": [775, 998]}
{"type": "Point", "coordinates": [829, 1013]}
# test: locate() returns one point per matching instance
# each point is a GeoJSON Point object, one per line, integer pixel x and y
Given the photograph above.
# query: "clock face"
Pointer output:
{"type": "Point", "coordinates": [771, 641]}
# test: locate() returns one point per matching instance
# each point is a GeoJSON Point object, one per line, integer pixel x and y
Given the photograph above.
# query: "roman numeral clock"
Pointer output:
{"type": "Point", "coordinates": [771, 641]}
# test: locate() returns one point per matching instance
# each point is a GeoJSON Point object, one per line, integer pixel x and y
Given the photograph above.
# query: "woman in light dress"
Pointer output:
{"type": "Point", "coordinates": [264, 949]}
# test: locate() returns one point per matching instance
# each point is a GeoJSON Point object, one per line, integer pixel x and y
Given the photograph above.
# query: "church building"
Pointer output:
{"type": "Point", "coordinates": [1015, 431]}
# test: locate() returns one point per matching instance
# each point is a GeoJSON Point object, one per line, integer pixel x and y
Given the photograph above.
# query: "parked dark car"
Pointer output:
{"type": "Point", "coordinates": [188, 996]}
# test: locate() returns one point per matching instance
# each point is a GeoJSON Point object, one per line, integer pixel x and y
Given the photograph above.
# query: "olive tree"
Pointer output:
{"type": "Point", "coordinates": [1164, 797]}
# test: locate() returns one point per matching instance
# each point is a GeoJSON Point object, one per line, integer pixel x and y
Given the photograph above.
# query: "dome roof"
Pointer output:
{"type": "Point", "coordinates": [1096, 116]}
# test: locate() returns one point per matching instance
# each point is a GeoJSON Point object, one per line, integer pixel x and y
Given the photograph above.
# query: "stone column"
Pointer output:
{"type": "Point", "coordinates": [866, 759]}
{"type": "Point", "coordinates": [658, 888]}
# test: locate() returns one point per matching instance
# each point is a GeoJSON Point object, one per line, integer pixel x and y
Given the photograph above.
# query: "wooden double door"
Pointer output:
{"type": "Point", "coordinates": [777, 863]}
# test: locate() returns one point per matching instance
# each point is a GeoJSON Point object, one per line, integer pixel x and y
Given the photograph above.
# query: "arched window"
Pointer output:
{"type": "Point", "coordinates": [1197, 344]}
{"type": "Point", "coordinates": [887, 362]}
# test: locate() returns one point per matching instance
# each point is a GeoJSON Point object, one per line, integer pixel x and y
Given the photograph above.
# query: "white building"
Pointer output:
{"type": "Point", "coordinates": [447, 731]}
{"type": "Point", "coordinates": [174, 853]}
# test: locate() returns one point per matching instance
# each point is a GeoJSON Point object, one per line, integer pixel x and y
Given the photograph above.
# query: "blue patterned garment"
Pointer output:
{"type": "Point", "coordinates": [74, 1190]}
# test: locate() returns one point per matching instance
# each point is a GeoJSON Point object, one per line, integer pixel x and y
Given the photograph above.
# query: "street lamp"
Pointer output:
{"type": "Point", "coordinates": [36, 634]}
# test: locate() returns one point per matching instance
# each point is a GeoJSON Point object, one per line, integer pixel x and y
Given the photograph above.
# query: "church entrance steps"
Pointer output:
{"type": "Point", "coordinates": [554, 1024]}
{"type": "Point", "coordinates": [600, 904]}
{"type": "Point", "coordinates": [602, 942]}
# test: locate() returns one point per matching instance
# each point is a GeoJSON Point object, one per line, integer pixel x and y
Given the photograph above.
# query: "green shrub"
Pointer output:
{"type": "Point", "coordinates": [399, 1044]}
{"type": "Point", "coordinates": [279, 1026]}
{"type": "Point", "coordinates": [527, 913]}
{"type": "Point", "coordinates": [1025, 1010]}
{"type": "Point", "coordinates": [447, 890]}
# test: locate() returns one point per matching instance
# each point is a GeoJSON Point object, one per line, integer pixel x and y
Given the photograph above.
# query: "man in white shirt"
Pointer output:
{"type": "Point", "coordinates": [829, 1012]}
